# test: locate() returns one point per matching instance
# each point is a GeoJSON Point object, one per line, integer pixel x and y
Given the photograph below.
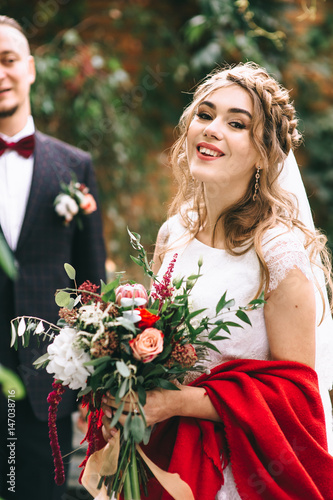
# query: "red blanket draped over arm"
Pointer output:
{"type": "Point", "coordinates": [272, 432]}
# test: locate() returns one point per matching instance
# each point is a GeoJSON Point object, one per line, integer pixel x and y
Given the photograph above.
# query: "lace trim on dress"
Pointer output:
{"type": "Point", "coordinates": [282, 258]}
{"type": "Point", "coordinates": [283, 253]}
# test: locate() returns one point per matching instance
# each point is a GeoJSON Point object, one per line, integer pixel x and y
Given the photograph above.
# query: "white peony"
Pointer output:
{"type": "Point", "coordinates": [66, 360]}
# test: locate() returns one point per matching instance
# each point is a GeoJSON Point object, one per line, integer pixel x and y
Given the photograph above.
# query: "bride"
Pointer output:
{"type": "Point", "coordinates": [264, 427]}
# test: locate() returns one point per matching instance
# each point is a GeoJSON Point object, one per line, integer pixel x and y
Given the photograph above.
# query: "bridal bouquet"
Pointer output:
{"type": "Point", "coordinates": [124, 340]}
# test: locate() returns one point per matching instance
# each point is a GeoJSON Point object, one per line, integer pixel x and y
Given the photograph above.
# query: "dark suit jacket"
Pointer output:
{"type": "Point", "coordinates": [45, 245]}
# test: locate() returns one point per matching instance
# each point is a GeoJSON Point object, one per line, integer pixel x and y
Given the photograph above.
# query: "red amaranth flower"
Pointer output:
{"type": "Point", "coordinates": [87, 286]}
{"type": "Point", "coordinates": [164, 290]}
{"type": "Point", "coordinates": [94, 436]}
{"type": "Point", "coordinates": [54, 399]}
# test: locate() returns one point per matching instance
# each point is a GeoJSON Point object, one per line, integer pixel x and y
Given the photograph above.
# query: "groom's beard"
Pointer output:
{"type": "Point", "coordinates": [8, 112]}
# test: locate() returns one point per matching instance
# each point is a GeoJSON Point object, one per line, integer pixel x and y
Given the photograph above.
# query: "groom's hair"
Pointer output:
{"type": "Point", "coordinates": [12, 23]}
{"type": "Point", "coordinates": [9, 21]}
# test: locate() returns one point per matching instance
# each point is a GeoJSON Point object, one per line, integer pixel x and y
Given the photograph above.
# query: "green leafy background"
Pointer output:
{"type": "Point", "coordinates": [114, 76]}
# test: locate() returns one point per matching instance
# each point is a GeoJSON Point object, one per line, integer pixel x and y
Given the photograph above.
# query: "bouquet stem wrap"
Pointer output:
{"type": "Point", "coordinates": [105, 462]}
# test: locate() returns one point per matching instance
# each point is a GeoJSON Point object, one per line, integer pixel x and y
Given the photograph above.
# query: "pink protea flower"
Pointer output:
{"type": "Point", "coordinates": [129, 291]}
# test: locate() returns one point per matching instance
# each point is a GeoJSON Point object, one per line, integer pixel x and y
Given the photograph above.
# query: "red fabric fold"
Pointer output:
{"type": "Point", "coordinates": [273, 425]}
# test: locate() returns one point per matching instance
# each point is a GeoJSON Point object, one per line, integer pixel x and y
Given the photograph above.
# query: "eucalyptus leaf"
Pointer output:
{"type": "Point", "coordinates": [137, 428]}
{"type": "Point", "coordinates": [123, 388]}
{"type": "Point", "coordinates": [41, 361]}
{"type": "Point", "coordinates": [126, 323]}
{"type": "Point", "coordinates": [142, 412]}
{"type": "Point", "coordinates": [142, 394]}
{"type": "Point", "coordinates": [71, 273]}
{"type": "Point", "coordinates": [97, 361]}
{"type": "Point", "coordinates": [117, 415]}
{"type": "Point", "coordinates": [71, 303]}
{"type": "Point", "coordinates": [99, 369]}
{"type": "Point", "coordinates": [147, 435]}
{"type": "Point", "coordinates": [123, 369]}
{"type": "Point", "coordinates": [62, 298]}
{"type": "Point", "coordinates": [127, 426]}
{"type": "Point", "coordinates": [84, 391]}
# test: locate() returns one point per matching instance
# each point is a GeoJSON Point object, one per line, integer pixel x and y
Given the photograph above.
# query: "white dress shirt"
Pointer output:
{"type": "Point", "coordinates": [15, 182]}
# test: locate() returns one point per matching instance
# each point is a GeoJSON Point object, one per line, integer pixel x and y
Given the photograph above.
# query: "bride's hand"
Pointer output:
{"type": "Point", "coordinates": [107, 431]}
{"type": "Point", "coordinates": [161, 404]}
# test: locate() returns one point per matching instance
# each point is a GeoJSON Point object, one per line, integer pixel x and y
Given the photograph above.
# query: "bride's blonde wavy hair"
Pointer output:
{"type": "Point", "coordinates": [273, 133]}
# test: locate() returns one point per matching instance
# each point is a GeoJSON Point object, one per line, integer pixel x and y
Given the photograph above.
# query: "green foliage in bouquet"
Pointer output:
{"type": "Point", "coordinates": [125, 341]}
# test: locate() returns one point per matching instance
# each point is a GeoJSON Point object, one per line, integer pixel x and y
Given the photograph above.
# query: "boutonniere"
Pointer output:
{"type": "Point", "coordinates": [74, 200]}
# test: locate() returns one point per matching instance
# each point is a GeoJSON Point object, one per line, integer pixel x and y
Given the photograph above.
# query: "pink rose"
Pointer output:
{"type": "Point", "coordinates": [88, 205]}
{"type": "Point", "coordinates": [131, 292]}
{"type": "Point", "coordinates": [147, 345]}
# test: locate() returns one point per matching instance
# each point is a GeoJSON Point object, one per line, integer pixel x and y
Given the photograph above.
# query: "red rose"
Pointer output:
{"type": "Point", "coordinates": [147, 319]}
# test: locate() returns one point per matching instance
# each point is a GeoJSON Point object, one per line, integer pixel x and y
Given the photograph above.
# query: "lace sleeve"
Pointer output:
{"type": "Point", "coordinates": [284, 252]}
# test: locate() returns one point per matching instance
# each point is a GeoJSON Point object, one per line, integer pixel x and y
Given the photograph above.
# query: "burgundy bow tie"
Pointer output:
{"type": "Point", "coordinates": [24, 147]}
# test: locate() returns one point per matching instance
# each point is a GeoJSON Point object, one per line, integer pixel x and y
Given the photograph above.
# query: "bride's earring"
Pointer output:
{"type": "Point", "coordinates": [256, 186]}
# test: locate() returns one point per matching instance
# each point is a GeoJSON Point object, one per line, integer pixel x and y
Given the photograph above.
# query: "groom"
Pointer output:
{"type": "Point", "coordinates": [30, 178]}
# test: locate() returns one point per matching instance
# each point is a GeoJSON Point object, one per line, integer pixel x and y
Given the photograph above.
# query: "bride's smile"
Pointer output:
{"type": "Point", "coordinates": [219, 145]}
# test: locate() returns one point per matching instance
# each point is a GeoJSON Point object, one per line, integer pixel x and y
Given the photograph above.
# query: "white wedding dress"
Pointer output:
{"type": "Point", "coordinates": [239, 276]}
